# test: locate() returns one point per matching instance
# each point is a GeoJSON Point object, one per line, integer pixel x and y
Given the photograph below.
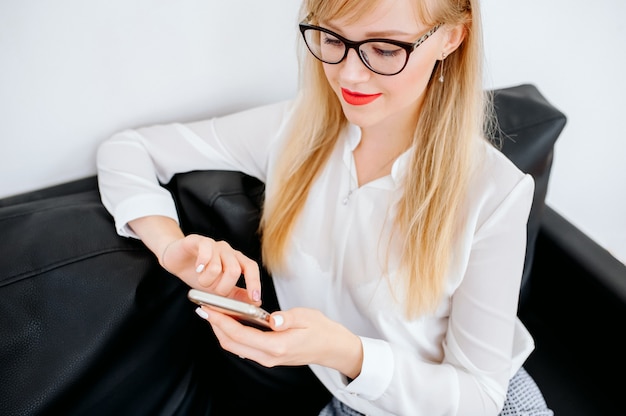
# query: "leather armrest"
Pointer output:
{"type": "Point", "coordinates": [89, 322]}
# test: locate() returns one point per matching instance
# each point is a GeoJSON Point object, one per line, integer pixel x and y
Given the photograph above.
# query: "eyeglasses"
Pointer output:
{"type": "Point", "coordinates": [382, 56]}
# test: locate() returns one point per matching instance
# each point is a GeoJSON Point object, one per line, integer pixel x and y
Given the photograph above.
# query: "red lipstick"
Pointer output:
{"type": "Point", "coordinates": [356, 98]}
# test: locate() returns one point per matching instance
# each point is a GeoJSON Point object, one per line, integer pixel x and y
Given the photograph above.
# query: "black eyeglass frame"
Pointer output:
{"type": "Point", "coordinates": [349, 44]}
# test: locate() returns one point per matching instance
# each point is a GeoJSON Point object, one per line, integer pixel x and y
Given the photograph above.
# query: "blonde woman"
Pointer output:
{"type": "Point", "coordinates": [394, 232]}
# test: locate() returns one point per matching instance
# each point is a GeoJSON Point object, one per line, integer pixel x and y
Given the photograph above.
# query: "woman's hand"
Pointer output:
{"type": "Point", "coordinates": [201, 262]}
{"type": "Point", "coordinates": [300, 336]}
{"type": "Point", "coordinates": [212, 266]}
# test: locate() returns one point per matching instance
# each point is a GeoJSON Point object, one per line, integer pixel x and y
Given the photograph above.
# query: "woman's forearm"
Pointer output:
{"type": "Point", "coordinates": [157, 233]}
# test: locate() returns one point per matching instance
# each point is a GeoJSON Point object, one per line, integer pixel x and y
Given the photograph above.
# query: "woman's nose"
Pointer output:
{"type": "Point", "coordinates": [353, 69]}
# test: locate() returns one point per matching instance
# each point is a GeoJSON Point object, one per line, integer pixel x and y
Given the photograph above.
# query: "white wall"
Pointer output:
{"type": "Point", "coordinates": [574, 51]}
{"type": "Point", "coordinates": [73, 72]}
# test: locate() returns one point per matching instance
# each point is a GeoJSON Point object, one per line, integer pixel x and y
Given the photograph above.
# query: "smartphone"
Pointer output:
{"type": "Point", "coordinates": [244, 312]}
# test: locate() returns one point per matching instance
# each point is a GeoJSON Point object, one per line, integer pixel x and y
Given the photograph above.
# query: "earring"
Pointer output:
{"type": "Point", "coordinates": [443, 56]}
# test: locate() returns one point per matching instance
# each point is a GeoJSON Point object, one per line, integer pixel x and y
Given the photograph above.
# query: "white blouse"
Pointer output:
{"type": "Point", "coordinates": [457, 361]}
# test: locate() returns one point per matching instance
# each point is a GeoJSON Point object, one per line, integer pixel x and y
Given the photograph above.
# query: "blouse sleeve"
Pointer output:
{"type": "Point", "coordinates": [133, 164]}
{"type": "Point", "coordinates": [485, 340]}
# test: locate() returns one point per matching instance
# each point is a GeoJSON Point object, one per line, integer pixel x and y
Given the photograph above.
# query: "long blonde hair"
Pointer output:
{"type": "Point", "coordinates": [451, 119]}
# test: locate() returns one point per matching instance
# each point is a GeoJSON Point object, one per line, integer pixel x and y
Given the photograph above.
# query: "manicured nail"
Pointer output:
{"type": "Point", "coordinates": [200, 268]}
{"type": "Point", "coordinates": [202, 313]}
{"type": "Point", "coordinates": [278, 320]}
{"type": "Point", "coordinates": [256, 295]}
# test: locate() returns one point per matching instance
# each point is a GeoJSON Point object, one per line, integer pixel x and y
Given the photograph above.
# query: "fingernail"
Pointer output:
{"type": "Point", "coordinates": [202, 313]}
{"type": "Point", "coordinates": [200, 268]}
{"type": "Point", "coordinates": [256, 295]}
{"type": "Point", "coordinates": [278, 320]}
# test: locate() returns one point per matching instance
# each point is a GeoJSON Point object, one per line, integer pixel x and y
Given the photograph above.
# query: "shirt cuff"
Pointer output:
{"type": "Point", "coordinates": [142, 206]}
{"type": "Point", "coordinates": [376, 372]}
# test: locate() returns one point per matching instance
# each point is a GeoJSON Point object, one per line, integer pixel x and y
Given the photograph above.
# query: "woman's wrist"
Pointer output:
{"type": "Point", "coordinates": [354, 363]}
{"type": "Point", "coordinates": [164, 252]}
{"type": "Point", "coordinates": [347, 354]}
{"type": "Point", "coordinates": [158, 233]}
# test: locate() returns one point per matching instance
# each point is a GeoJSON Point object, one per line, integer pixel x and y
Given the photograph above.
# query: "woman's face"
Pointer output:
{"type": "Point", "coordinates": [370, 100]}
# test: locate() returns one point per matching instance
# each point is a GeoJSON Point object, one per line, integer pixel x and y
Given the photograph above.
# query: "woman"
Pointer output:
{"type": "Point", "coordinates": [394, 232]}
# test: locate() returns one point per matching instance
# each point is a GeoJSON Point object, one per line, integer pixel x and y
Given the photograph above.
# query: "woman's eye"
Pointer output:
{"type": "Point", "coordinates": [387, 51]}
{"type": "Point", "coordinates": [331, 41]}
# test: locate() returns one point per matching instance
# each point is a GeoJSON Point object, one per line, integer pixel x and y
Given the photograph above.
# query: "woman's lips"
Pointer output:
{"type": "Point", "coordinates": [356, 98]}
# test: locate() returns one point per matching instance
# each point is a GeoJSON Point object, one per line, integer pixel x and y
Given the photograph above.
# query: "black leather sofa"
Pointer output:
{"type": "Point", "coordinates": [91, 325]}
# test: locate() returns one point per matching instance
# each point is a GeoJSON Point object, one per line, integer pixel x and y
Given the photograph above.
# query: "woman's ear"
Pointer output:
{"type": "Point", "coordinates": [454, 37]}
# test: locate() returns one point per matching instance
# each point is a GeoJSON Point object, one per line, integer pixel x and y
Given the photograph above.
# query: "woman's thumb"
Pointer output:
{"type": "Point", "coordinates": [277, 321]}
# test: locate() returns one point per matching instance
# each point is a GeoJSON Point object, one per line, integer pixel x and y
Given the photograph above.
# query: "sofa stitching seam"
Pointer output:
{"type": "Point", "coordinates": [7, 280]}
{"type": "Point", "coordinates": [535, 124]}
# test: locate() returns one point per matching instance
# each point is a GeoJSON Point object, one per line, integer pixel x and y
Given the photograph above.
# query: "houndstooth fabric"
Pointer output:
{"type": "Point", "coordinates": [523, 398]}
{"type": "Point", "coordinates": [337, 408]}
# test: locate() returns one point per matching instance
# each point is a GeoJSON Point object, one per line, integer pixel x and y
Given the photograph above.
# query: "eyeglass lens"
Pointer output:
{"type": "Point", "coordinates": [381, 57]}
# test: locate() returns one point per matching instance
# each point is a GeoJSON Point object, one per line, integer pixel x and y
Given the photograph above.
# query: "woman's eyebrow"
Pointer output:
{"type": "Point", "coordinates": [387, 33]}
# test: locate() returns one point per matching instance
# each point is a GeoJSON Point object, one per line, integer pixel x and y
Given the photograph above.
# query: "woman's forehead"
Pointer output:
{"type": "Point", "coordinates": [371, 12]}
{"type": "Point", "coordinates": [383, 17]}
